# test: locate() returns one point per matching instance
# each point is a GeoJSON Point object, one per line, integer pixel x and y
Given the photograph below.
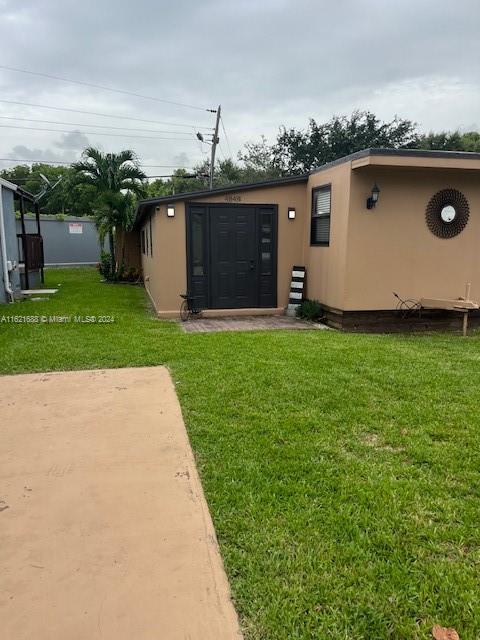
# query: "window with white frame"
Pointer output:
{"type": "Point", "coordinates": [321, 209]}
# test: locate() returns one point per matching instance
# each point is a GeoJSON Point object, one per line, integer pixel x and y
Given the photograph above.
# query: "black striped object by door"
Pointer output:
{"type": "Point", "coordinates": [297, 287]}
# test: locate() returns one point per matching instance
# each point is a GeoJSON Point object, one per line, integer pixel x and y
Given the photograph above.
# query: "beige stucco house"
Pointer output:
{"type": "Point", "coordinates": [365, 226]}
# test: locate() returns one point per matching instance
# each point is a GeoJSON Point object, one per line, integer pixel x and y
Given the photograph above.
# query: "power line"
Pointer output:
{"type": "Point", "coordinates": [94, 133]}
{"type": "Point", "coordinates": [103, 88]}
{"type": "Point", "coordinates": [69, 162]}
{"type": "Point", "coordinates": [38, 161]}
{"type": "Point", "coordinates": [201, 147]}
{"type": "Point", "coordinates": [103, 115]}
{"type": "Point", "coordinates": [226, 137]}
{"type": "Point", "coordinates": [36, 176]}
{"type": "Point", "coordinates": [222, 151]}
{"type": "Point", "coordinates": [173, 175]}
{"type": "Point", "coordinates": [96, 126]}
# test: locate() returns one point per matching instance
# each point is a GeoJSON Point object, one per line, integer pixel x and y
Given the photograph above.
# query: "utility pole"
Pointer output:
{"type": "Point", "coordinates": [215, 141]}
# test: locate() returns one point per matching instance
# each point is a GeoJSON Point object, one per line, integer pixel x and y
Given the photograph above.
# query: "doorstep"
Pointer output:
{"type": "Point", "coordinates": [229, 313]}
{"type": "Point", "coordinates": [238, 313]}
{"type": "Point", "coordinates": [247, 323]}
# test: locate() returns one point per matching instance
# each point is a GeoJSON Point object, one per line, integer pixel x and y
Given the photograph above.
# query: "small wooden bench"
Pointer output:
{"type": "Point", "coordinates": [462, 305]}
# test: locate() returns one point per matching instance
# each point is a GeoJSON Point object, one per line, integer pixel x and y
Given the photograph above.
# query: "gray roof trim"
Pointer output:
{"type": "Point", "coordinates": [6, 184]}
{"type": "Point", "coordinates": [408, 153]}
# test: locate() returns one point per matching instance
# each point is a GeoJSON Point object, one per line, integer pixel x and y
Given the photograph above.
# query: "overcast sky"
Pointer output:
{"type": "Point", "coordinates": [268, 62]}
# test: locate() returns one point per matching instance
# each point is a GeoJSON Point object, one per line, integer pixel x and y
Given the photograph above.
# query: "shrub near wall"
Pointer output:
{"type": "Point", "coordinates": [310, 310]}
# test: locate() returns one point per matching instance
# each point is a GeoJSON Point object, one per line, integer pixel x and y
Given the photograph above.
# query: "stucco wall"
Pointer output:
{"type": "Point", "coordinates": [326, 265]}
{"type": "Point", "coordinates": [390, 248]}
{"type": "Point", "coordinates": [165, 272]}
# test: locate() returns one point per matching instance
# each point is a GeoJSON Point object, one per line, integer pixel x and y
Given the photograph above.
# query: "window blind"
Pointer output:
{"type": "Point", "coordinates": [322, 204]}
{"type": "Point", "coordinates": [320, 226]}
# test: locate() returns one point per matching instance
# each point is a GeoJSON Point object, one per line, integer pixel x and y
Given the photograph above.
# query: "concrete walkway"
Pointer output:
{"type": "Point", "coordinates": [105, 533]}
{"type": "Point", "coordinates": [247, 323]}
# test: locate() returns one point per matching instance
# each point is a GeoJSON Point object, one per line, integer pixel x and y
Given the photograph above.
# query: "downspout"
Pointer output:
{"type": "Point", "coordinates": [3, 244]}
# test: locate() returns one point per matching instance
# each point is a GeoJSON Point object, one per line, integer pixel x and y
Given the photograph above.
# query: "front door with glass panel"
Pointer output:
{"type": "Point", "coordinates": [232, 255]}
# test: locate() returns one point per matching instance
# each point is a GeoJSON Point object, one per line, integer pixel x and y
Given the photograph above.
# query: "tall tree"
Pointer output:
{"type": "Point", "coordinates": [116, 177]}
{"type": "Point", "coordinates": [259, 162]}
{"type": "Point", "coordinates": [299, 151]}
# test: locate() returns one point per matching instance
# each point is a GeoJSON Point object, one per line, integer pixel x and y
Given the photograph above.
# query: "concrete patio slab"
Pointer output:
{"type": "Point", "coordinates": [247, 323]}
{"type": "Point", "coordinates": [105, 530]}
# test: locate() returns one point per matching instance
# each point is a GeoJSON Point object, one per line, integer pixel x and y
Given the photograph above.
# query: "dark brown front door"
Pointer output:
{"type": "Point", "coordinates": [231, 255]}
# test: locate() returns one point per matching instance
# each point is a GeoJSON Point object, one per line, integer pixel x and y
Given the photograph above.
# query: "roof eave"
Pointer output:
{"type": "Point", "coordinates": [8, 185]}
{"type": "Point", "coordinates": [362, 158]}
{"type": "Point", "coordinates": [11, 186]}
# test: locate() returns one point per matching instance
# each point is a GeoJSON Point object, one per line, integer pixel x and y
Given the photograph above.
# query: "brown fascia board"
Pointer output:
{"type": "Point", "coordinates": [144, 205]}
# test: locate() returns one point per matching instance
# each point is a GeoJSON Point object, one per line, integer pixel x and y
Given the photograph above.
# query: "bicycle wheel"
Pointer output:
{"type": "Point", "coordinates": [184, 311]}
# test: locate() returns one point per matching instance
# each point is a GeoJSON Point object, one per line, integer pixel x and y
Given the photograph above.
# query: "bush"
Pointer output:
{"type": "Point", "coordinates": [121, 273]}
{"type": "Point", "coordinates": [133, 275]}
{"type": "Point", "coordinates": [310, 310]}
{"type": "Point", "coordinates": [105, 266]}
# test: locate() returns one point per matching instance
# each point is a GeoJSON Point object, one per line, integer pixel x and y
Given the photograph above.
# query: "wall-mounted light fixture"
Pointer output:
{"type": "Point", "coordinates": [170, 210]}
{"type": "Point", "coordinates": [291, 213]}
{"type": "Point", "coordinates": [373, 198]}
{"type": "Point", "coordinates": [157, 208]}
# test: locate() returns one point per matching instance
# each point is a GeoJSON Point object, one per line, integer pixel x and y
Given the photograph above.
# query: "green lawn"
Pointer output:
{"type": "Point", "coordinates": [342, 470]}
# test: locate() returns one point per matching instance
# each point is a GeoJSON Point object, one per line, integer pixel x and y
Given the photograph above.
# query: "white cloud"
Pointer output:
{"type": "Point", "coordinates": [74, 140]}
{"type": "Point", "coordinates": [269, 63]}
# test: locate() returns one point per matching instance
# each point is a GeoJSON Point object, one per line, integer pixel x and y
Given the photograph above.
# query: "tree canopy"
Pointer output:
{"type": "Point", "coordinates": [298, 151]}
{"type": "Point", "coordinates": [112, 172]}
{"type": "Point", "coordinates": [451, 141]}
{"type": "Point", "coordinates": [69, 197]}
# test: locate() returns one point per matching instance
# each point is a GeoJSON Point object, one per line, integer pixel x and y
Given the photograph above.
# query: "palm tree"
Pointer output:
{"type": "Point", "coordinates": [116, 177]}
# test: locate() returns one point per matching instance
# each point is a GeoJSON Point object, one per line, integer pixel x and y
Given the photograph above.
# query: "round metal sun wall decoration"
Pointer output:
{"type": "Point", "coordinates": [447, 213]}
